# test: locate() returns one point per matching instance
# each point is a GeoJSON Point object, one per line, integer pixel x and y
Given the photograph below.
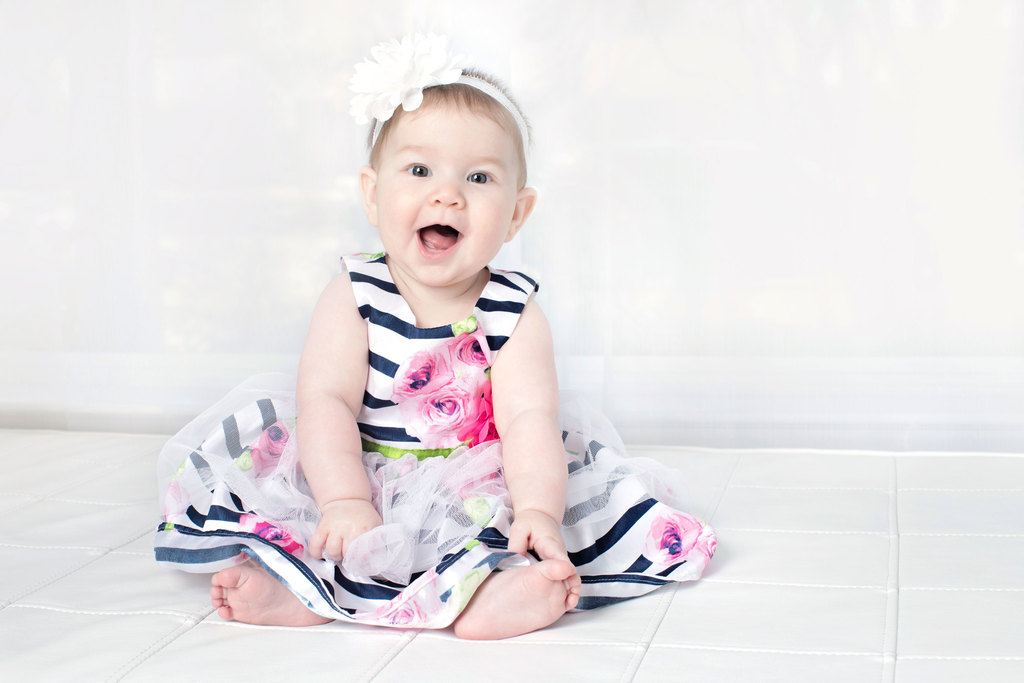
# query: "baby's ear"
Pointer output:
{"type": "Point", "coordinates": [368, 185]}
{"type": "Point", "coordinates": [525, 201]}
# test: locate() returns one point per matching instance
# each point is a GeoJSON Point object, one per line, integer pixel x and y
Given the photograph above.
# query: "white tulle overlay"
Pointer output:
{"type": "Point", "coordinates": [231, 479]}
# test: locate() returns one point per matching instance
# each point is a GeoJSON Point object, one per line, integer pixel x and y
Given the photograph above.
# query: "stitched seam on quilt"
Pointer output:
{"type": "Point", "coordinates": [374, 669]}
{"type": "Point", "coordinates": [160, 644]}
{"type": "Point", "coordinates": [953, 490]}
{"type": "Point", "coordinates": [632, 644]}
{"type": "Point", "coordinates": [382, 632]}
{"type": "Point", "coordinates": [885, 534]}
{"type": "Point", "coordinates": [54, 547]}
{"type": "Point", "coordinates": [38, 498]}
{"type": "Point", "coordinates": [64, 572]}
{"type": "Point", "coordinates": [79, 501]}
{"type": "Point", "coordinates": [954, 589]}
{"type": "Point", "coordinates": [890, 632]}
{"type": "Point", "coordinates": [805, 531]}
{"type": "Point", "coordinates": [658, 615]}
{"type": "Point", "coordinates": [631, 670]}
{"type": "Point", "coordinates": [107, 612]}
{"type": "Point", "coordinates": [732, 473]}
{"type": "Point", "coordinates": [818, 451]}
{"type": "Point", "coordinates": [811, 488]}
{"type": "Point", "coordinates": [105, 465]}
{"type": "Point", "coordinates": [879, 490]}
{"type": "Point", "coordinates": [1008, 658]}
{"type": "Point", "coordinates": [774, 651]}
{"type": "Point", "coordinates": [981, 535]}
{"type": "Point", "coordinates": [793, 584]}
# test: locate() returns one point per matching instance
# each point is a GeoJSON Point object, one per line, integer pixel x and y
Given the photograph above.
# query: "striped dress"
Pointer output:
{"type": "Point", "coordinates": [230, 481]}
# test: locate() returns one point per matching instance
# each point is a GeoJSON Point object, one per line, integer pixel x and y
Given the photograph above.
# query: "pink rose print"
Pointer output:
{"type": "Point", "coordinates": [491, 484]}
{"type": "Point", "coordinates": [707, 543]}
{"type": "Point", "coordinates": [433, 418]}
{"type": "Point", "coordinates": [471, 349]}
{"type": "Point", "coordinates": [671, 537]}
{"type": "Point", "coordinates": [426, 371]}
{"type": "Point", "coordinates": [175, 500]}
{"type": "Point", "coordinates": [444, 393]}
{"type": "Point", "coordinates": [480, 426]}
{"type": "Point", "coordinates": [269, 448]}
{"type": "Point", "coordinates": [270, 532]}
{"type": "Point", "coordinates": [406, 613]}
{"type": "Point", "coordinates": [416, 610]}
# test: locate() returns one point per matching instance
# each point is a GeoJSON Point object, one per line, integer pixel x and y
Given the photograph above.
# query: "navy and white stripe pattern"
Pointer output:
{"type": "Point", "coordinates": [393, 337]}
{"type": "Point", "coordinates": [609, 522]}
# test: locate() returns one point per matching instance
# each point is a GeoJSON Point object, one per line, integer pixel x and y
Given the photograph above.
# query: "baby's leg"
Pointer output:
{"type": "Point", "coordinates": [519, 600]}
{"type": "Point", "coordinates": [248, 594]}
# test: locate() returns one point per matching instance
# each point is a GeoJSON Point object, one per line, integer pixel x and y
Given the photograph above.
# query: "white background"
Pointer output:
{"type": "Point", "coordinates": [793, 224]}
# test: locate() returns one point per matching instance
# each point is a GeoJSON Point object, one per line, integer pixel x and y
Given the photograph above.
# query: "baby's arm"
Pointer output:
{"type": "Point", "coordinates": [525, 394]}
{"type": "Point", "coordinates": [331, 381]}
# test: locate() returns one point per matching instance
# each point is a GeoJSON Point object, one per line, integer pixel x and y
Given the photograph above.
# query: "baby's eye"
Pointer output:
{"type": "Point", "coordinates": [414, 168]}
{"type": "Point", "coordinates": [479, 174]}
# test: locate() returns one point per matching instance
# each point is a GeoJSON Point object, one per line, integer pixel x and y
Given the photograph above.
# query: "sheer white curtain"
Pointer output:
{"type": "Point", "coordinates": [760, 224]}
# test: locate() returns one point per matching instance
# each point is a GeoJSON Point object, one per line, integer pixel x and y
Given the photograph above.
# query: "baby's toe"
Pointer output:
{"type": "Point", "coordinates": [216, 596]}
{"type": "Point", "coordinates": [556, 570]}
{"type": "Point", "coordinates": [225, 613]}
{"type": "Point", "coordinates": [227, 578]}
{"type": "Point", "coordinates": [572, 584]}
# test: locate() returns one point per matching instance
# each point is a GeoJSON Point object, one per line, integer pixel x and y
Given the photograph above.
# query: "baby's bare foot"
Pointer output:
{"type": "Point", "coordinates": [519, 600]}
{"type": "Point", "coordinates": [248, 594]}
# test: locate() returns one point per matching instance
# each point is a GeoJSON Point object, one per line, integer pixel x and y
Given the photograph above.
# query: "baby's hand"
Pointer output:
{"type": "Point", "coordinates": [537, 530]}
{"type": "Point", "coordinates": [341, 522]}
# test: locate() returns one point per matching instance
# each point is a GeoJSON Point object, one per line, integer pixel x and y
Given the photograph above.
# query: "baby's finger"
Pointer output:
{"type": "Point", "coordinates": [518, 538]}
{"type": "Point", "coordinates": [334, 545]}
{"type": "Point", "coordinates": [550, 549]}
{"type": "Point", "coordinates": [316, 543]}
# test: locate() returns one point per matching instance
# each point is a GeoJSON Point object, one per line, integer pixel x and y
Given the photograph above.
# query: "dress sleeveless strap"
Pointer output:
{"type": "Point", "coordinates": [501, 304]}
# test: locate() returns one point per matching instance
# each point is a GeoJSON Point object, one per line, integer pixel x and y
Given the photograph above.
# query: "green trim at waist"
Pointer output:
{"type": "Point", "coordinates": [393, 452]}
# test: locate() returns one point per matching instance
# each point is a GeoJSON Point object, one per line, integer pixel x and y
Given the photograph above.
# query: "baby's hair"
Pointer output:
{"type": "Point", "coordinates": [466, 98]}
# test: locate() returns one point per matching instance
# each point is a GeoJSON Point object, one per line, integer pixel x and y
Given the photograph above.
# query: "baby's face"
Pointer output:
{"type": "Point", "coordinates": [453, 168]}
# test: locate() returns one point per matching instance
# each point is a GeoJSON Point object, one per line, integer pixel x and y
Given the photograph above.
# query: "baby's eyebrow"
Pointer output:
{"type": "Point", "coordinates": [485, 160]}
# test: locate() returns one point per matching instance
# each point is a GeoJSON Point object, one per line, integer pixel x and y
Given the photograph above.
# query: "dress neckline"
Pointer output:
{"type": "Point", "coordinates": [450, 326]}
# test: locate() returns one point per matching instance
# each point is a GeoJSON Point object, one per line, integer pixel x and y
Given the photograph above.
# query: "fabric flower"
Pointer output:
{"type": "Point", "coordinates": [466, 325]}
{"type": "Point", "coordinates": [398, 74]}
{"type": "Point", "coordinates": [425, 372]}
{"type": "Point", "coordinates": [671, 536]}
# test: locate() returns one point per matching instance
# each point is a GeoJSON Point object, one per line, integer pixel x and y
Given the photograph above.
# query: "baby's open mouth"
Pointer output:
{"type": "Point", "coordinates": [438, 238]}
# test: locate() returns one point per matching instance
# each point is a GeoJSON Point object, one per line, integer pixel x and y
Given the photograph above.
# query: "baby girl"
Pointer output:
{"type": "Point", "coordinates": [424, 471]}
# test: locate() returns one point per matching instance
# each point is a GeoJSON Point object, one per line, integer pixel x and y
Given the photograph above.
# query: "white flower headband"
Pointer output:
{"type": "Point", "coordinates": [401, 72]}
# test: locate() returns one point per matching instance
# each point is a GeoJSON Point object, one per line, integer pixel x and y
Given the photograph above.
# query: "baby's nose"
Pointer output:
{"type": "Point", "coordinates": [447, 194]}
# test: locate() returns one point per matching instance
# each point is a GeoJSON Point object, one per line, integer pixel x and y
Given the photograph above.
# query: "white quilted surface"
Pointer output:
{"type": "Point", "coordinates": [831, 565]}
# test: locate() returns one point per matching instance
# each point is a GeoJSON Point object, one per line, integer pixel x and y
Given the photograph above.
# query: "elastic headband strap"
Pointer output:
{"type": "Point", "coordinates": [487, 89]}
